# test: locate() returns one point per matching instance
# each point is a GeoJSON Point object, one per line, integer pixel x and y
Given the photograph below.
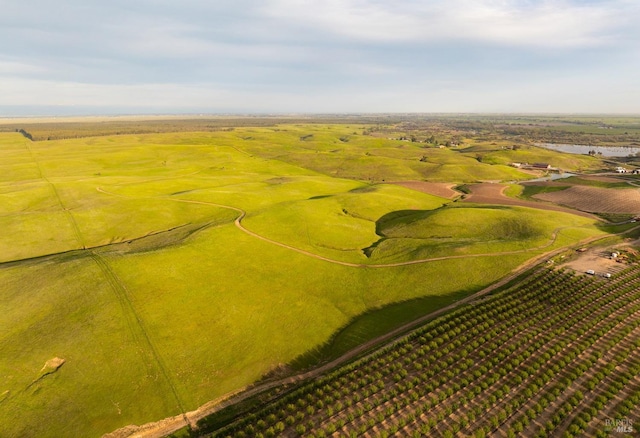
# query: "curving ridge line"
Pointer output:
{"type": "Point", "coordinates": [243, 213]}
{"type": "Point", "coordinates": [238, 224]}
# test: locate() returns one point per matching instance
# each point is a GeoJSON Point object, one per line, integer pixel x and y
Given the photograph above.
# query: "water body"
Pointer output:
{"type": "Point", "coordinates": [553, 177]}
{"type": "Point", "coordinates": [607, 151]}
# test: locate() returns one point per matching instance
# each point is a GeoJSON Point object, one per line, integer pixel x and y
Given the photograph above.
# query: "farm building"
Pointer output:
{"type": "Point", "coordinates": [541, 166]}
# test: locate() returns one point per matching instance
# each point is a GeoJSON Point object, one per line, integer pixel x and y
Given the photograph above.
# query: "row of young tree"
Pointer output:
{"type": "Point", "coordinates": [558, 355]}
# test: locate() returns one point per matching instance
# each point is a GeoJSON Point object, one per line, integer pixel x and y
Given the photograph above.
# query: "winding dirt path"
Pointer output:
{"type": "Point", "coordinates": [240, 226]}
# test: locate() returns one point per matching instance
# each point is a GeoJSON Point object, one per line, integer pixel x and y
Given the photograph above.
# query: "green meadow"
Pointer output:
{"type": "Point", "coordinates": [121, 255]}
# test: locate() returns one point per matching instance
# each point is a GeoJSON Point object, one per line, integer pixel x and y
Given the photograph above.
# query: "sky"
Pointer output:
{"type": "Point", "coordinates": [74, 57]}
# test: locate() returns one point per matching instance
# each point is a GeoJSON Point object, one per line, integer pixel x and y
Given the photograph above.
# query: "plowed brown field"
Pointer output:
{"type": "Point", "coordinates": [490, 193]}
{"type": "Point", "coordinates": [596, 199]}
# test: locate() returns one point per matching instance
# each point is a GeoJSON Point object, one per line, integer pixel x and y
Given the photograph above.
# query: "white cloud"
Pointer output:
{"type": "Point", "coordinates": [563, 94]}
{"type": "Point", "coordinates": [18, 91]}
{"type": "Point", "coordinates": [506, 22]}
{"type": "Point", "coordinates": [323, 55]}
{"type": "Point", "coordinates": [19, 68]}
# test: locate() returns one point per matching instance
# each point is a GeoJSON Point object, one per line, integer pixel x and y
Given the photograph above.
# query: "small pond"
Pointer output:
{"type": "Point", "coordinates": [553, 177]}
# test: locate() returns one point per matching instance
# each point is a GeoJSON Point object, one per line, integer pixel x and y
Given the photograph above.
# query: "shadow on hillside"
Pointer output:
{"type": "Point", "coordinates": [371, 324]}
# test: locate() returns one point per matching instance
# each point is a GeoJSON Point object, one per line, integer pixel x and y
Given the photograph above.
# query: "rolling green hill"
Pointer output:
{"type": "Point", "coordinates": [125, 256]}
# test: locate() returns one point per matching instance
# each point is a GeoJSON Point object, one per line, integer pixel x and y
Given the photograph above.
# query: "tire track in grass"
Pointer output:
{"type": "Point", "coordinates": [72, 220]}
{"type": "Point", "coordinates": [67, 212]}
{"type": "Point", "coordinates": [137, 327]}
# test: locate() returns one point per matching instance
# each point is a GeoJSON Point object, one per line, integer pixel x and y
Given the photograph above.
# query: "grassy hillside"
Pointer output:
{"type": "Point", "coordinates": [532, 154]}
{"type": "Point", "coordinates": [341, 151]}
{"type": "Point", "coordinates": [477, 230]}
{"type": "Point", "coordinates": [120, 255]}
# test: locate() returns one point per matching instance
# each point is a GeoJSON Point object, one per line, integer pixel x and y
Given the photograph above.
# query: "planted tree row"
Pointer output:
{"type": "Point", "coordinates": [556, 355]}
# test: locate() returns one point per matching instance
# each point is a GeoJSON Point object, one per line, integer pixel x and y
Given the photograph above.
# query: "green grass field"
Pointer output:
{"type": "Point", "coordinates": [120, 255]}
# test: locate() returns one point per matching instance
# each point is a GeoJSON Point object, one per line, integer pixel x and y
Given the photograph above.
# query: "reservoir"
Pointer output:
{"type": "Point", "coordinates": [607, 151]}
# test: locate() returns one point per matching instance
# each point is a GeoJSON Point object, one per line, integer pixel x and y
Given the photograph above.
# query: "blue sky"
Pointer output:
{"type": "Point", "coordinates": [319, 56]}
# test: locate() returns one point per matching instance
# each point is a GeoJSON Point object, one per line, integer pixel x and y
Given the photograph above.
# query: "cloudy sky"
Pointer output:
{"type": "Point", "coordinates": [319, 56]}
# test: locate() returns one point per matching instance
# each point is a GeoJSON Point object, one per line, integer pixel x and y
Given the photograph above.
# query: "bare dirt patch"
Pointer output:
{"type": "Point", "coordinates": [444, 190]}
{"type": "Point", "coordinates": [491, 193]}
{"type": "Point", "coordinates": [52, 365]}
{"type": "Point", "coordinates": [596, 199]}
{"type": "Point", "coordinates": [597, 259]}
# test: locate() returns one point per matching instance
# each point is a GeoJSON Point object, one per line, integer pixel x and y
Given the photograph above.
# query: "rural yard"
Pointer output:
{"type": "Point", "coordinates": [597, 260]}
